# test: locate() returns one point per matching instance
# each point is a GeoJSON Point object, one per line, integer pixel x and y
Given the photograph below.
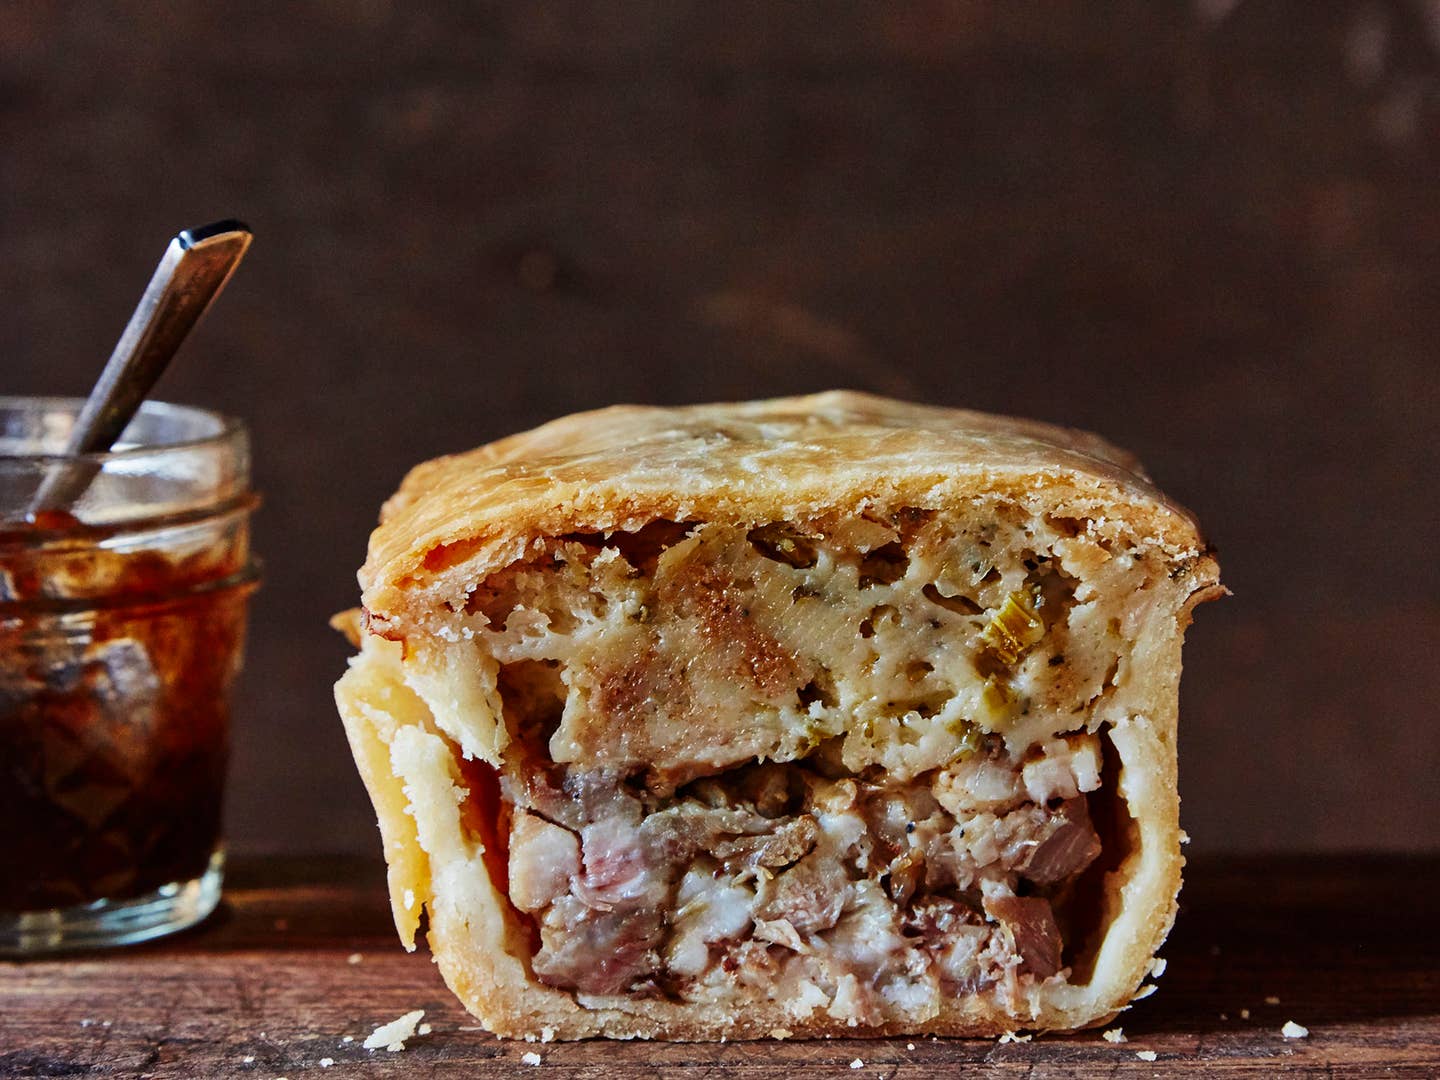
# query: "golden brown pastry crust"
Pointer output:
{"type": "Point", "coordinates": [456, 519]}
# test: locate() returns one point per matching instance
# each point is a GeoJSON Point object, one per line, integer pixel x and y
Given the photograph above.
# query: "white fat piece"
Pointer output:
{"type": "Point", "coordinates": [1066, 768]}
{"type": "Point", "coordinates": [544, 858]}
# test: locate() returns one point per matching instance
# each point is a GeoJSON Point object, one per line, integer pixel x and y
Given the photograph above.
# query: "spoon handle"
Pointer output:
{"type": "Point", "coordinates": [193, 270]}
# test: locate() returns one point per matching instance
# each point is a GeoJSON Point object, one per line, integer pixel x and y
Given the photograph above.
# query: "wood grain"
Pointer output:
{"type": "Point", "coordinates": [271, 987]}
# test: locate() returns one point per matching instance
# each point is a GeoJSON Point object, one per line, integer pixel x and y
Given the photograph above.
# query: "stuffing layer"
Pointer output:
{"type": "Point", "coordinates": [685, 649]}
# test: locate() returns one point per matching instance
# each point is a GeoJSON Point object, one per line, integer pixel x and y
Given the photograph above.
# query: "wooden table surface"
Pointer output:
{"type": "Point", "coordinates": [302, 956]}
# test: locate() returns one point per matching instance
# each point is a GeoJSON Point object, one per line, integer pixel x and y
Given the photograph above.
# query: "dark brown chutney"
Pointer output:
{"type": "Point", "coordinates": [115, 669]}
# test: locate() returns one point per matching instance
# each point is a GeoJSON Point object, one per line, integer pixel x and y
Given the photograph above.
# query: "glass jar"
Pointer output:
{"type": "Point", "coordinates": [122, 625]}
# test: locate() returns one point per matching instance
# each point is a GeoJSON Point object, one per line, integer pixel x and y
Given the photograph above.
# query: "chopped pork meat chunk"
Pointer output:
{"type": "Point", "coordinates": [1029, 927]}
{"type": "Point", "coordinates": [596, 951]}
{"type": "Point", "coordinates": [1068, 847]}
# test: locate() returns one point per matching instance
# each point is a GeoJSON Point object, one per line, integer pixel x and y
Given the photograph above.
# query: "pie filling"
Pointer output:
{"type": "Point", "coordinates": [858, 766]}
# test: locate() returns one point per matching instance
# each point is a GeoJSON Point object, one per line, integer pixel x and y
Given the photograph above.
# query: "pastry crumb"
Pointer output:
{"type": "Point", "coordinates": [248, 1059]}
{"type": "Point", "coordinates": [857, 1064]}
{"type": "Point", "coordinates": [1011, 1037]}
{"type": "Point", "coordinates": [1114, 1035]}
{"type": "Point", "coordinates": [1158, 966]}
{"type": "Point", "coordinates": [1292, 1030]}
{"type": "Point", "coordinates": [909, 1046]}
{"type": "Point", "coordinates": [530, 1058]}
{"type": "Point", "coordinates": [1146, 1055]}
{"type": "Point", "coordinates": [355, 958]}
{"type": "Point", "coordinates": [392, 1036]}
{"type": "Point", "coordinates": [780, 1033]}
{"type": "Point", "coordinates": [1244, 1014]}
{"type": "Point", "coordinates": [325, 1063]}
{"type": "Point", "coordinates": [1271, 999]}
{"type": "Point", "coordinates": [348, 1039]}
{"type": "Point", "coordinates": [424, 1029]}
{"type": "Point", "coordinates": [547, 1034]}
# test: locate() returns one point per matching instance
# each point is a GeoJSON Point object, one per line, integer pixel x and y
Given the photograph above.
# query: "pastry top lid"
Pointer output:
{"type": "Point", "coordinates": [460, 517]}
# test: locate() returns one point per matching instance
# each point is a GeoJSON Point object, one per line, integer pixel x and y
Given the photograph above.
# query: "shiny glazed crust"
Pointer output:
{"type": "Point", "coordinates": [457, 519]}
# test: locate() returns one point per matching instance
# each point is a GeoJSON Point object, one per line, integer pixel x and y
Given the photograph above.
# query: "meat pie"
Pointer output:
{"type": "Point", "coordinates": [825, 715]}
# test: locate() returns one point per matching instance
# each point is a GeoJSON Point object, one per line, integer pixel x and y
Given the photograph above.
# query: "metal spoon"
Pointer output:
{"type": "Point", "coordinates": [193, 270]}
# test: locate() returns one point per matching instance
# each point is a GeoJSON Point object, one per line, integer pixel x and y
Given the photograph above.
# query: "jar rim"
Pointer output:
{"type": "Point", "coordinates": [227, 429]}
{"type": "Point", "coordinates": [175, 459]}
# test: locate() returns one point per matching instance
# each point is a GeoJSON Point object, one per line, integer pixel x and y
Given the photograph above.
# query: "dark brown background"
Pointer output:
{"type": "Point", "coordinates": [1207, 230]}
